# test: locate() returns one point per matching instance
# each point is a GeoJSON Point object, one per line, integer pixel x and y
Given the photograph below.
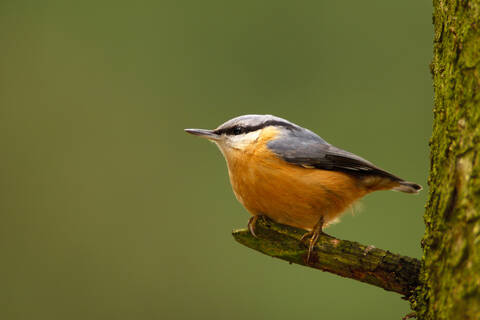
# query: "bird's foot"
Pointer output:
{"type": "Point", "coordinates": [251, 224]}
{"type": "Point", "coordinates": [313, 235]}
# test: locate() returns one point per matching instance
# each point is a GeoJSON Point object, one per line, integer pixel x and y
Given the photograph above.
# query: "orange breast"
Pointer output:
{"type": "Point", "coordinates": [289, 194]}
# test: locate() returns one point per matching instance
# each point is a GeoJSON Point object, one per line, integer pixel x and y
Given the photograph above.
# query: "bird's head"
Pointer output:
{"type": "Point", "coordinates": [241, 132]}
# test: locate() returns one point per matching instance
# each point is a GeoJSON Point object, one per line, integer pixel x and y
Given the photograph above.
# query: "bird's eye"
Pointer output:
{"type": "Point", "coordinates": [238, 130]}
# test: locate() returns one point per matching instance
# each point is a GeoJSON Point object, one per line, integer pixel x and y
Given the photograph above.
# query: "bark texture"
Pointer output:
{"type": "Point", "coordinates": [451, 274]}
{"type": "Point", "coordinates": [349, 259]}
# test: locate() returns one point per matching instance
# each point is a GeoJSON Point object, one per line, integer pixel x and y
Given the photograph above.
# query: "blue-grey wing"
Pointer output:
{"type": "Point", "coordinates": [306, 149]}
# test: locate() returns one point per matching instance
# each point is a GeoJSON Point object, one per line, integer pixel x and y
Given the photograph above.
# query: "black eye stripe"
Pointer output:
{"type": "Point", "coordinates": [238, 129]}
{"type": "Point", "coordinates": [232, 131]}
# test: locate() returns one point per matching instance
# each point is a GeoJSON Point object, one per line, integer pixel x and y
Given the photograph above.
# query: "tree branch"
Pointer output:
{"type": "Point", "coordinates": [348, 259]}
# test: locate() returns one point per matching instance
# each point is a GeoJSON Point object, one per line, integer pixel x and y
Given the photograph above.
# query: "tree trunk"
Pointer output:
{"type": "Point", "coordinates": [451, 274]}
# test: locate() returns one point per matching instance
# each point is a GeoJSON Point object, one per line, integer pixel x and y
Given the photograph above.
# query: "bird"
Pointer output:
{"type": "Point", "coordinates": [291, 175]}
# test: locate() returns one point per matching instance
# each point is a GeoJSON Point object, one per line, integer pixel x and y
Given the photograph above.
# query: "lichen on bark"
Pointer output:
{"type": "Point", "coordinates": [451, 273]}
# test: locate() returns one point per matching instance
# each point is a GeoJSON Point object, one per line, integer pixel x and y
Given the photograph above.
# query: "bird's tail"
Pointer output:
{"type": "Point", "coordinates": [407, 187]}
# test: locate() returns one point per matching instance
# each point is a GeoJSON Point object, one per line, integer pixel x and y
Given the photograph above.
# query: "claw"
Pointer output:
{"type": "Point", "coordinates": [306, 235]}
{"type": "Point", "coordinates": [313, 241]}
{"type": "Point", "coordinates": [313, 234]}
{"type": "Point", "coordinates": [251, 225]}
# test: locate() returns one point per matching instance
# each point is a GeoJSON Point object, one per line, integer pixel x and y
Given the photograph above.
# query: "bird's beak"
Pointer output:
{"type": "Point", "coordinates": [208, 134]}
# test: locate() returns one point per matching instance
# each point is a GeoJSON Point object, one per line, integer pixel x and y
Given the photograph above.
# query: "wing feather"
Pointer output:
{"type": "Point", "coordinates": [306, 149]}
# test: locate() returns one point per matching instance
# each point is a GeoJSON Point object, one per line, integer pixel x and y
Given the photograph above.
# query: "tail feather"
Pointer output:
{"type": "Point", "coordinates": [407, 187]}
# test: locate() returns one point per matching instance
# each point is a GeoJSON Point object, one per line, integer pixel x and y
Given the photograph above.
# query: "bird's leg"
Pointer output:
{"type": "Point", "coordinates": [251, 224]}
{"type": "Point", "coordinates": [313, 234]}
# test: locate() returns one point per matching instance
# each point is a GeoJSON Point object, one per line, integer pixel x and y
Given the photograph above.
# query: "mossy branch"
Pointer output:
{"type": "Point", "coordinates": [348, 259]}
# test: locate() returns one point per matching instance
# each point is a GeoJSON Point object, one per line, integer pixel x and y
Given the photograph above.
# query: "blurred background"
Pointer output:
{"type": "Point", "coordinates": [110, 211]}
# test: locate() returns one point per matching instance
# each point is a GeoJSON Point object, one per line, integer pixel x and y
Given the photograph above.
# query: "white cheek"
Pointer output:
{"type": "Point", "coordinates": [238, 142]}
{"type": "Point", "coordinates": [242, 141]}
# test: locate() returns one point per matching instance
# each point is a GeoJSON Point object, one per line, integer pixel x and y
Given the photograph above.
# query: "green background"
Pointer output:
{"type": "Point", "coordinates": [110, 211]}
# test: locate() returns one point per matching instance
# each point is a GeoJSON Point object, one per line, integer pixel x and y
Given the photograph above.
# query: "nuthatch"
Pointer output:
{"type": "Point", "coordinates": [291, 175]}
